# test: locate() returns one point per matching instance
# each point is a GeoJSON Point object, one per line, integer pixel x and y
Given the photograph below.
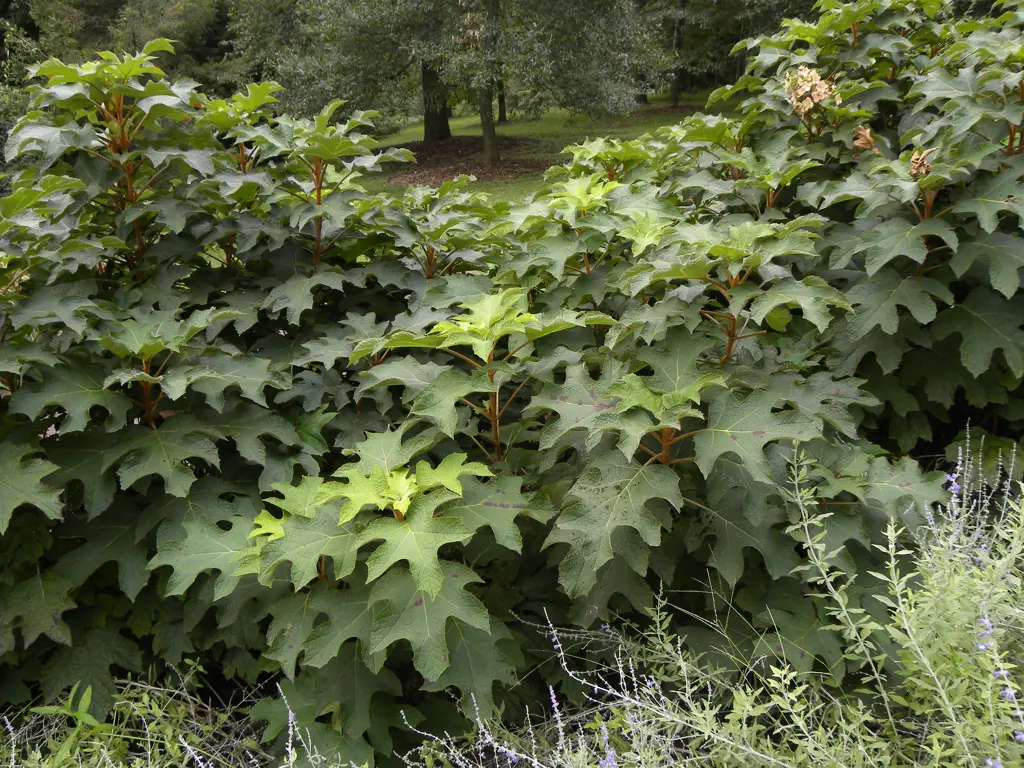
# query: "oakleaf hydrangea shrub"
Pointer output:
{"type": "Point", "coordinates": [366, 446]}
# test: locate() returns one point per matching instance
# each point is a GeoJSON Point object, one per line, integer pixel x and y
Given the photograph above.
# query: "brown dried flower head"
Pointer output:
{"type": "Point", "coordinates": [865, 140]}
{"type": "Point", "coordinates": [919, 165]}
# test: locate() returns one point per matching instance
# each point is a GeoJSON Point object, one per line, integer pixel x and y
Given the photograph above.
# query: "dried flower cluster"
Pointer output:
{"type": "Point", "coordinates": [919, 165]}
{"type": "Point", "coordinates": [805, 88]}
{"type": "Point", "coordinates": [865, 139]}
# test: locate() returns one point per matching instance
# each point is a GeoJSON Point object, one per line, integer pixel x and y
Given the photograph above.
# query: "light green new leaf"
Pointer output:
{"type": "Point", "coordinates": [448, 472]}
{"type": "Point", "coordinates": [304, 499]}
{"type": "Point", "coordinates": [389, 450]}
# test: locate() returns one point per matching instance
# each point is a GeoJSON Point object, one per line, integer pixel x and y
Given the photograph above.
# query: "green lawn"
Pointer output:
{"type": "Point", "coordinates": [541, 143]}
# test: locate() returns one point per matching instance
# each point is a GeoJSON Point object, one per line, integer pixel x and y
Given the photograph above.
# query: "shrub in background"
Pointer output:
{"type": "Point", "coordinates": [253, 416]}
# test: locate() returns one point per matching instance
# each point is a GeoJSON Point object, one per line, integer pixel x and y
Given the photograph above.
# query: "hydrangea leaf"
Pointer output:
{"type": "Point", "coordinates": [36, 606]}
{"type": "Point", "coordinates": [986, 322]}
{"type": "Point", "coordinates": [420, 618]}
{"type": "Point", "coordinates": [306, 540]}
{"type": "Point", "coordinates": [610, 494]}
{"type": "Point", "coordinates": [447, 474]}
{"type": "Point", "coordinates": [213, 375]}
{"type": "Point", "coordinates": [877, 299]}
{"type": "Point", "coordinates": [75, 390]}
{"type": "Point", "coordinates": [349, 615]}
{"type": "Point", "coordinates": [494, 504]}
{"type": "Point", "coordinates": [1004, 254]}
{"type": "Point", "coordinates": [206, 546]}
{"type": "Point", "coordinates": [164, 452]}
{"type": "Point", "coordinates": [584, 403]}
{"type": "Point", "coordinates": [744, 425]}
{"type": "Point", "coordinates": [812, 295]}
{"type": "Point", "coordinates": [109, 538]}
{"type": "Point", "coordinates": [88, 662]}
{"type": "Point", "coordinates": [416, 540]}
{"type": "Point", "coordinates": [21, 483]}
{"type": "Point", "coordinates": [436, 403]}
{"type": "Point", "coordinates": [478, 659]}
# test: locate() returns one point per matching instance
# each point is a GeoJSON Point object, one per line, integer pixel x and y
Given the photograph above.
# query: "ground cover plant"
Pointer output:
{"type": "Point", "coordinates": [256, 417]}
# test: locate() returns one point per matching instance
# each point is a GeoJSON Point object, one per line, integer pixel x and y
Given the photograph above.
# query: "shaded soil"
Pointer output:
{"type": "Point", "coordinates": [446, 159]}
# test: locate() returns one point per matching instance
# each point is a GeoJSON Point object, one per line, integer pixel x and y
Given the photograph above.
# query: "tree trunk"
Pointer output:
{"type": "Point", "coordinates": [435, 106]}
{"type": "Point", "coordinates": [641, 98]}
{"type": "Point", "coordinates": [486, 99]}
{"type": "Point", "coordinates": [502, 109]}
{"type": "Point", "coordinates": [675, 87]}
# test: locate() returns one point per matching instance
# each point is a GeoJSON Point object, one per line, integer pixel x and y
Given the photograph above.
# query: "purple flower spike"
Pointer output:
{"type": "Point", "coordinates": [1001, 674]}
{"type": "Point", "coordinates": [1008, 693]}
{"type": "Point", "coordinates": [984, 646]}
{"type": "Point", "coordinates": [1018, 736]}
{"type": "Point", "coordinates": [993, 763]}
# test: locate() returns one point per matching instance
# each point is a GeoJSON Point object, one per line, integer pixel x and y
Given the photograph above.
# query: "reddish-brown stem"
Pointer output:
{"type": "Point", "coordinates": [461, 356]}
{"type": "Point", "coordinates": [483, 450]}
{"type": "Point", "coordinates": [586, 262]}
{"type": "Point", "coordinates": [521, 346]}
{"type": "Point", "coordinates": [677, 438]}
{"type": "Point", "coordinates": [719, 287]}
{"type": "Point", "coordinates": [317, 169]}
{"type": "Point", "coordinates": [513, 397]}
{"type": "Point", "coordinates": [149, 403]}
{"type": "Point", "coordinates": [492, 412]}
{"type": "Point", "coordinates": [730, 347]}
